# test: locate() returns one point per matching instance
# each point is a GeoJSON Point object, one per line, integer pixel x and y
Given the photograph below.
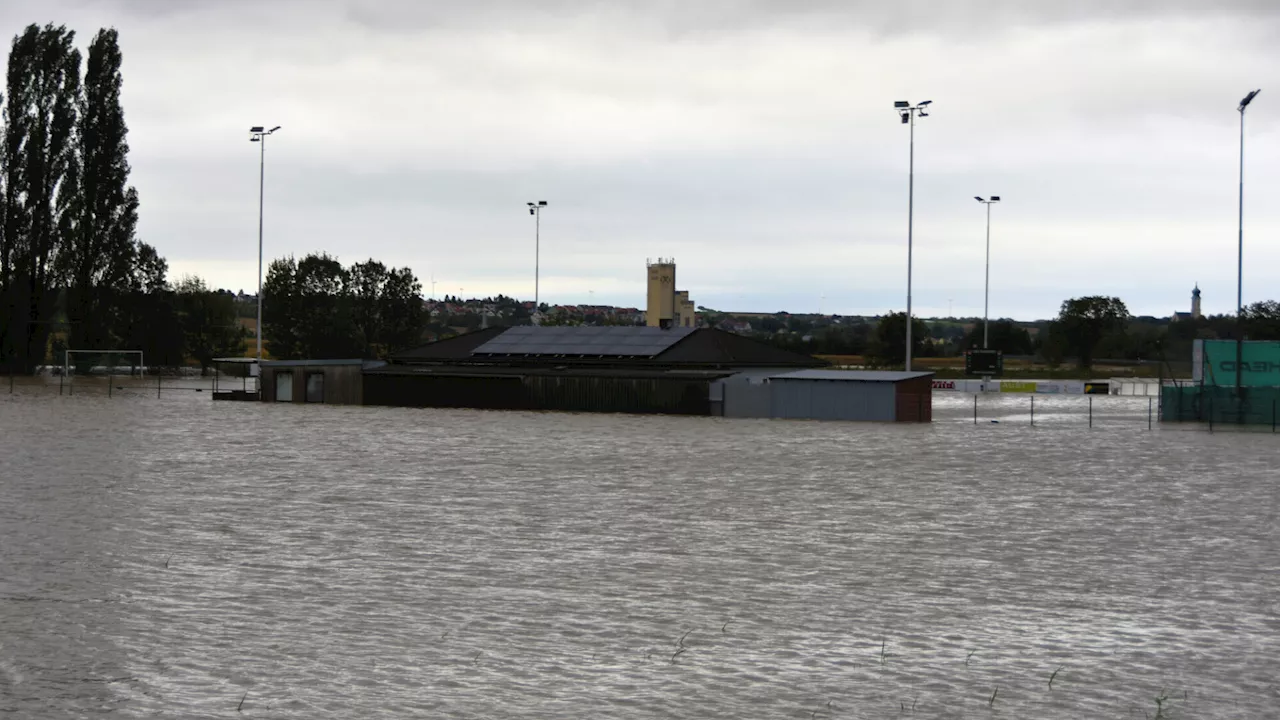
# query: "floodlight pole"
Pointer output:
{"type": "Point", "coordinates": [262, 184]}
{"type": "Point", "coordinates": [535, 209]}
{"type": "Point", "coordinates": [907, 112]}
{"type": "Point", "coordinates": [911, 200]}
{"type": "Point", "coordinates": [259, 135]}
{"type": "Point", "coordinates": [986, 293]}
{"type": "Point", "coordinates": [1240, 258]}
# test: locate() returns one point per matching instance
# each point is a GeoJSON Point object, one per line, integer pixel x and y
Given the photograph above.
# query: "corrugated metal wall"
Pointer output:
{"type": "Point", "coordinates": [833, 400]}
{"type": "Point", "coordinates": [541, 392]}
{"type": "Point", "coordinates": [915, 400]}
{"type": "Point", "coordinates": [484, 393]}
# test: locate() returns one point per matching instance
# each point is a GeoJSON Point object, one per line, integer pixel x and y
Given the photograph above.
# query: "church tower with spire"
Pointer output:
{"type": "Point", "coordinates": [1195, 302]}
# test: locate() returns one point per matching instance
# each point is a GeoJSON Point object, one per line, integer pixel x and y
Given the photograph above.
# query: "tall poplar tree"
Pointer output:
{"type": "Point", "coordinates": [38, 158]}
{"type": "Point", "coordinates": [102, 253]}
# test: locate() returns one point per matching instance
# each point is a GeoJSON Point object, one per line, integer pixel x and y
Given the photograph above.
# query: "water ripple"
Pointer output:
{"type": "Point", "coordinates": [178, 557]}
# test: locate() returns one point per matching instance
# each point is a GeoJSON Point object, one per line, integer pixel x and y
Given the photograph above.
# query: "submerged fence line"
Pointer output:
{"type": "Point", "coordinates": [111, 384]}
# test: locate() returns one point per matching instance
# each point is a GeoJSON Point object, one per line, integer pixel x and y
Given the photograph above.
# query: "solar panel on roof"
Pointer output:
{"type": "Point", "coordinates": [589, 341]}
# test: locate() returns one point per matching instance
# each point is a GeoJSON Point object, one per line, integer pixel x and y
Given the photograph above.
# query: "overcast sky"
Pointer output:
{"type": "Point", "coordinates": [754, 141]}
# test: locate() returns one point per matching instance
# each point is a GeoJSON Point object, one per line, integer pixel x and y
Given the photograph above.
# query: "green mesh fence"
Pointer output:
{"type": "Point", "coordinates": [1220, 405]}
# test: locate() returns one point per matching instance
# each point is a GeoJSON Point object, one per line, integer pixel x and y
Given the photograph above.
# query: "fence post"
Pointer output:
{"type": "Point", "coordinates": [1033, 411]}
{"type": "Point", "coordinates": [1090, 411]}
{"type": "Point", "coordinates": [975, 408]}
{"type": "Point", "coordinates": [111, 381]}
{"type": "Point", "coordinates": [1210, 413]}
{"type": "Point", "coordinates": [1273, 415]}
{"type": "Point", "coordinates": [60, 376]}
{"type": "Point", "coordinates": [11, 381]}
{"type": "Point", "coordinates": [1149, 404]}
{"type": "Point", "coordinates": [159, 376]}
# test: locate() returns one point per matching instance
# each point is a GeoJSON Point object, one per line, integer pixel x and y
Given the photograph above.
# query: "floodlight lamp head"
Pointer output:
{"type": "Point", "coordinates": [926, 103]}
{"type": "Point", "coordinates": [273, 129]}
{"type": "Point", "coordinates": [542, 203]}
{"type": "Point", "coordinates": [1248, 99]}
{"type": "Point", "coordinates": [255, 129]}
{"type": "Point", "coordinates": [901, 104]}
{"type": "Point", "coordinates": [995, 198]}
{"type": "Point", "coordinates": [532, 211]}
{"type": "Point", "coordinates": [254, 139]}
{"type": "Point", "coordinates": [975, 197]}
{"type": "Point", "coordinates": [906, 118]}
{"type": "Point", "coordinates": [923, 113]}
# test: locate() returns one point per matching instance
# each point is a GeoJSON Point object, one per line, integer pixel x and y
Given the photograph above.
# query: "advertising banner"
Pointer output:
{"type": "Point", "coordinates": [1010, 386]}
{"type": "Point", "coordinates": [1060, 387]}
{"type": "Point", "coordinates": [1260, 366]}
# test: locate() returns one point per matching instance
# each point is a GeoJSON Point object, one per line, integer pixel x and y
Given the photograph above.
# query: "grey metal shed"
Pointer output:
{"type": "Point", "coordinates": [875, 396]}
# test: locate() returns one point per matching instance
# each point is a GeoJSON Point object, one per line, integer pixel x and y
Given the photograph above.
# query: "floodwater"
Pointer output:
{"type": "Point", "coordinates": [175, 557]}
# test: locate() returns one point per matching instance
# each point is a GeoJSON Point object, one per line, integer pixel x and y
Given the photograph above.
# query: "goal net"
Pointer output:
{"type": "Point", "coordinates": [103, 362]}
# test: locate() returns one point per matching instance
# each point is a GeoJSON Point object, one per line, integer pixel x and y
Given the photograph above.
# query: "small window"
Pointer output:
{"type": "Point", "coordinates": [284, 386]}
{"type": "Point", "coordinates": [315, 387]}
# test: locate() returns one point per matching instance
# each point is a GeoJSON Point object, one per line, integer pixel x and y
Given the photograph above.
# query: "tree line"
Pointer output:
{"type": "Point", "coordinates": [1085, 329]}
{"type": "Point", "coordinates": [316, 308]}
{"type": "Point", "coordinates": [73, 273]}
{"type": "Point", "coordinates": [69, 256]}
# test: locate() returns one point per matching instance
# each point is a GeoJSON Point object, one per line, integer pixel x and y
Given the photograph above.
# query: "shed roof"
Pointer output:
{"type": "Point", "coordinates": [891, 376]}
{"type": "Point", "coordinates": [583, 341]}
{"type": "Point", "coordinates": [309, 363]}
{"type": "Point", "coordinates": [631, 346]}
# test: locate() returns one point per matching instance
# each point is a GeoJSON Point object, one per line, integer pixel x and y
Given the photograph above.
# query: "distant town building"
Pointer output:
{"type": "Point", "coordinates": [667, 306]}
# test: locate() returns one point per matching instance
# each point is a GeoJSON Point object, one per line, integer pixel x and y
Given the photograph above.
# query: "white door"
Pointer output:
{"type": "Point", "coordinates": [284, 386]}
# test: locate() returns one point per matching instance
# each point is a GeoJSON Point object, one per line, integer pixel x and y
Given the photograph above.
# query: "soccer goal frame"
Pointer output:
{"type": "Point", "coordinates": [68, 366]}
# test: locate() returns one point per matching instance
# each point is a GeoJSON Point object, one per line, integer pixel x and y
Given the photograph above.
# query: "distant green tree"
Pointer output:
{"type": "Point", "coordinates": [888, 346]}
{"type": "Point", "coordinates": [1262, 320]}
{"type": "Point", "coordinates": [210, 328]}
{"type": "Point", "coordinates": [386, 307]}
{"type": "Point", "coordinates": [1085, 321]}
{"type": "Point", "coordinates": [315, 308]}
{"type": "Point", "coordinates": [1005, 335]}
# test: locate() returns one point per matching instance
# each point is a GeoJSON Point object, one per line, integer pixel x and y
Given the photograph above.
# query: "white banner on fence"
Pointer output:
{"type": "Point", "coordinates": [1043, 387]}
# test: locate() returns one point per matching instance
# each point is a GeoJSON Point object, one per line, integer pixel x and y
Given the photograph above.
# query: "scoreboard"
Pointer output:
{"type": "Point", "coordinates": [983, 362]}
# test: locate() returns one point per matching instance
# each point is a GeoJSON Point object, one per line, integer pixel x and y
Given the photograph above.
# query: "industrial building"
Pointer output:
{"type": "Point", "coordinates": [679, 371]}
{"type": "Point", "coordinates": [667, 307]}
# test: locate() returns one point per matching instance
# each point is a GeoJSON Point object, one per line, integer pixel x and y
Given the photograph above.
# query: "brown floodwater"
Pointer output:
{"type": "Point", "coordinates": [175, 557]}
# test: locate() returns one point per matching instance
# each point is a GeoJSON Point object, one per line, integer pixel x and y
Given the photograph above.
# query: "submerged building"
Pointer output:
{"type": "Point", "coordinates": [678, 370]}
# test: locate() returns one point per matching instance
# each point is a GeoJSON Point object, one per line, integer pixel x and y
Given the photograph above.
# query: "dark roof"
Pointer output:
{"type": "Point", "coordinates": [852, 375]}
{"type": "Point", "coordinates": [630, 346]}
{"type": "Point", "coordinates": [582, 341]}
{"type": "Point", "coordinates": [710, 345]}
{"type": "Point", "coordinates": [308, 363]}
{"type": "Point", "coordinates": [459, 347]}
{"type": "Point", "coordinates": [497, 371]}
